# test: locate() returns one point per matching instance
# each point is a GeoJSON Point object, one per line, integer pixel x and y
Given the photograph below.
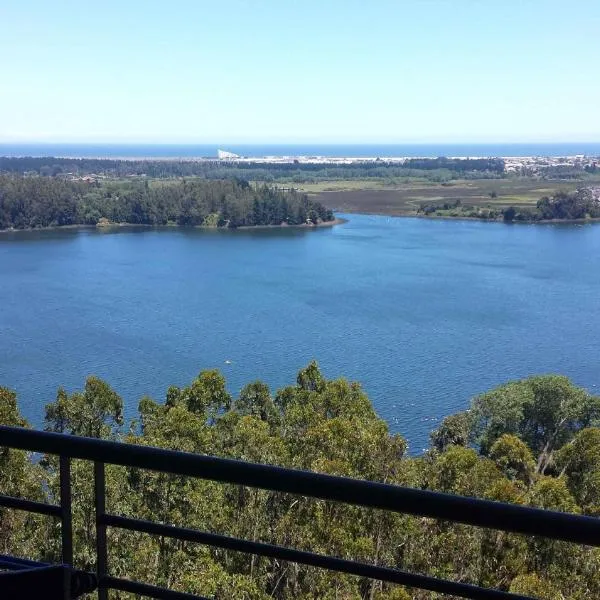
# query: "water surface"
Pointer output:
{"type": "Point", "coordinates": [258, 150]}
{"type": "Point", "coordinates": [425, 313]}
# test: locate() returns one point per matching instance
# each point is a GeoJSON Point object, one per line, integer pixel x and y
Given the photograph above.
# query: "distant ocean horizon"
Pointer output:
{"type": "Point", "coordinates": [188, 151]}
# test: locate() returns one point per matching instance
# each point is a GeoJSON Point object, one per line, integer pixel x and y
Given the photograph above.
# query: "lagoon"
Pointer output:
{"type": "Point", "coordinates": [424, 313]}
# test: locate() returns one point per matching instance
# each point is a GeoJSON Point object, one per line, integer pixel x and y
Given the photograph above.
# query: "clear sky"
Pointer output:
{"type": "Point", "coordinates": [300, 70]}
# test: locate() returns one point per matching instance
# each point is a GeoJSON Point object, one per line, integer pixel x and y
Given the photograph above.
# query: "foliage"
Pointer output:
{"type": "Point", "coordinates": [513, 458]}
{"type": "Point", "coordinates": [30, 202]}
{"type": "Point", "coordinates": [579, 461]}
{"type": "Point", "coordinates": [454, 430]}
{"type": "Point", "coordinates": [584, 203]}
{"type": "Point", "coordinates": [544, 411]}
{"type": "Point", "coordinates": [434, 169]}
{"type": "Point", "coordinates": [95, 412]}
{"type": "Point", "coordinates": [530, 584]}
{"type": "Point", "coordinates": [531, 441]}
{"type": "Point", "coordinates": [581, 204]}
{"type": "Point", "coordinates": [18, 477]}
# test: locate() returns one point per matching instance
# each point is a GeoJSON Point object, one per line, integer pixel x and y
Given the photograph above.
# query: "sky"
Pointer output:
{"type": "Point", "coordinates": [293, 71]}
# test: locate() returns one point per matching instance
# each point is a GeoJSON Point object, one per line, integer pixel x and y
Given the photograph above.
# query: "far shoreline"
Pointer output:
{"type": "Point", "coordinates": [591, 220]}
{"type": "Point", "coordinates": [337, 221]}
{"type": "Point", "coordinates": [333, 223]}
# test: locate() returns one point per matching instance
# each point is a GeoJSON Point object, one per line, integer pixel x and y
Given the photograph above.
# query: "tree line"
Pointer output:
{"type": "Point", "coordinates": [582, 204]}
{"type": "Point", "coordinates": [534, 442]}
{"type": "Point", "coordinates": [33, 202]}
{"type": "Point", "coordinates": [575, 170]}
{"type": "Point", "coordinates": [441, 169]}
{"type": "Point", "coordinates": [493, 165]}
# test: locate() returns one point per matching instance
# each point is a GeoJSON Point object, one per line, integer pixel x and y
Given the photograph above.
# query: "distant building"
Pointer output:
{"type": "Point", "coordinates": [223, 155]}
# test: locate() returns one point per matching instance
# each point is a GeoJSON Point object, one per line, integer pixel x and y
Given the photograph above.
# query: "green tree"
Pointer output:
{"type": "Point", "coordinates": [531, 584]}
{"type": "Point", "coordinates": [207, 395]}
{"type": "Point", "coordinates": [513, 458]}
{"type": "Point", "coordinates": [552, 493]}
{"type": "Point", "coordinates": [310, 378]}
{"type": "Point", "coordinates": [95, 412]}
{"type": "Point", "coordinates": [509, 214]}
{"type": "Point", "coordinates": [544, 411]}
{"type": "Point", "coordinates": [255, 399]}
{"type": "Point", "coordinates": [328, 426]}
{"type": "Point", "coordinates": [20, 477]}
{"type": "Point", "coordinates": [453, 430]}
{"type": "Point", "coordinates": [579, 461]}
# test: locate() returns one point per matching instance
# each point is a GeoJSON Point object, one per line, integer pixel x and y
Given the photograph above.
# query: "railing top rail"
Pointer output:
{"type": "Point", "coordinates": [470, 511]}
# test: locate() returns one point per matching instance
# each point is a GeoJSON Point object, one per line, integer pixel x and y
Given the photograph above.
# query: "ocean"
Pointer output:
{"type": "Point", "coordinates": [187, 151]}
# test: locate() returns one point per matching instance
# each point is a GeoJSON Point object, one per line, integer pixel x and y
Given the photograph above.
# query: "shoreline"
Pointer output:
{"type": "Point", "coordinates": [322, 224]}
{"type": "Point", "coordinates": [591, 220]}
{"type": "Point", "coordinates": [111, 226]}
{"type": "Point", "coordinates": [336, 221]}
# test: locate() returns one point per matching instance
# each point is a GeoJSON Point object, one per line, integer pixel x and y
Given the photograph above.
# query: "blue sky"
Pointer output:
{"type": "Point", "coordinates": [300, 70]}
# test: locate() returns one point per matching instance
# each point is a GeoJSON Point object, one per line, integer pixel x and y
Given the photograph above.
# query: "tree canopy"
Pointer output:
{"type": "Point", "coordinates": [441, 168]}
{"type": "Point", "coordinates": [582, 204]}
{"type": "Point", "coordinates": [534, 441]}
{"type": "Point", "coordinates": [33, 202]}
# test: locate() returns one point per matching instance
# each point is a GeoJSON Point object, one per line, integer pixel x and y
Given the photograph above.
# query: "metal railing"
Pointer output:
{"type": "Point", "coordinates": [458, 509]}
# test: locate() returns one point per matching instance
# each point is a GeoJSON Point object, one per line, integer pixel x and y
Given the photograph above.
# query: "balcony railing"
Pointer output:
{"type": "Point", "coordinates": [458, 509]}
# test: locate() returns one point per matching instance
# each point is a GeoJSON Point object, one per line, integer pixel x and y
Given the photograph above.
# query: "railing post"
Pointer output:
{"type": "Point", "coordinates": [101, 551]}
{"type": "Point", "coordinates": [66, 525]}
{"type": "Point", "coordinates": [66, 519]}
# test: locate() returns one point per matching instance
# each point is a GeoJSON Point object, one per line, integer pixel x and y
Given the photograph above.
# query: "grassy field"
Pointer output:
{"type": "Point", "coordinates": [393, 198]}
{"type": "Point", "coordinates": [403, 197]}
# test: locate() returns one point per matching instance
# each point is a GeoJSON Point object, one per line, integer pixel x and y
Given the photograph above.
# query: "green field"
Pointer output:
{"type": "Point", "coordinates": [378, 196]}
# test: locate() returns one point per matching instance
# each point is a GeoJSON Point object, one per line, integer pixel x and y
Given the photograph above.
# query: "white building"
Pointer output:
{"type": "Point", "coordinates": [223, 155]}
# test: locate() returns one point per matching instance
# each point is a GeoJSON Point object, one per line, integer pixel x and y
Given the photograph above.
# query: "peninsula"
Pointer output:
{"type": "Point", "coordinates": [33, 202]}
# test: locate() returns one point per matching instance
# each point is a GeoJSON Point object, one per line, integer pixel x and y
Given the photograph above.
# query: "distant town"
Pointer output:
{"type": "Point", "coordinates": [512, 164]}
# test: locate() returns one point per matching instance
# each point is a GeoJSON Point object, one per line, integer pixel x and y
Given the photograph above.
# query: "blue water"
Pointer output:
{"type": "Point", "coordinates": [424, 313]}
{"type": "Point", "coordinates": [258, 150]}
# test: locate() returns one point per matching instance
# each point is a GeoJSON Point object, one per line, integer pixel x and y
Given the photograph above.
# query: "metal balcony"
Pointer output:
{"type": "Point", "coordinates": [458, 509]}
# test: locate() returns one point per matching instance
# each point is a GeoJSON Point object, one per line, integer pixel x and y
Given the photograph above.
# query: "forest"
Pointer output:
{"type": "Point", "coordinates": [34, 202]}
{"type": "Point", "coordinates": [435, 169]}
{"type": "Point", "coordinates": [534, 441]}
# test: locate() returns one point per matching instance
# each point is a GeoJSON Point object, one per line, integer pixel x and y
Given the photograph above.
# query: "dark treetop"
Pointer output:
{"type": "Point", "coordinates": [32, 202]}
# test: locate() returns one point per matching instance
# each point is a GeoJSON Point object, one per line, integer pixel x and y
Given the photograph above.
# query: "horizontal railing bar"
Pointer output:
{"type": "Point", "coordinates": [12, 566]}
{"type": "Point", "coordinates": [312, 559]}
{"type": "Point", "coordinates": [145, 589]}
{"type": "Point", "coordinates": [16, 563]}
{"type": "Point", "coordinates": [30, 506]}
{"type": "Point", "coordinates": [470, 511]}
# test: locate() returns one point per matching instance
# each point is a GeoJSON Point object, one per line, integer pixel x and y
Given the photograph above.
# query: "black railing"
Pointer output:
{"type": "Point", "coordinates": [470, 511]}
